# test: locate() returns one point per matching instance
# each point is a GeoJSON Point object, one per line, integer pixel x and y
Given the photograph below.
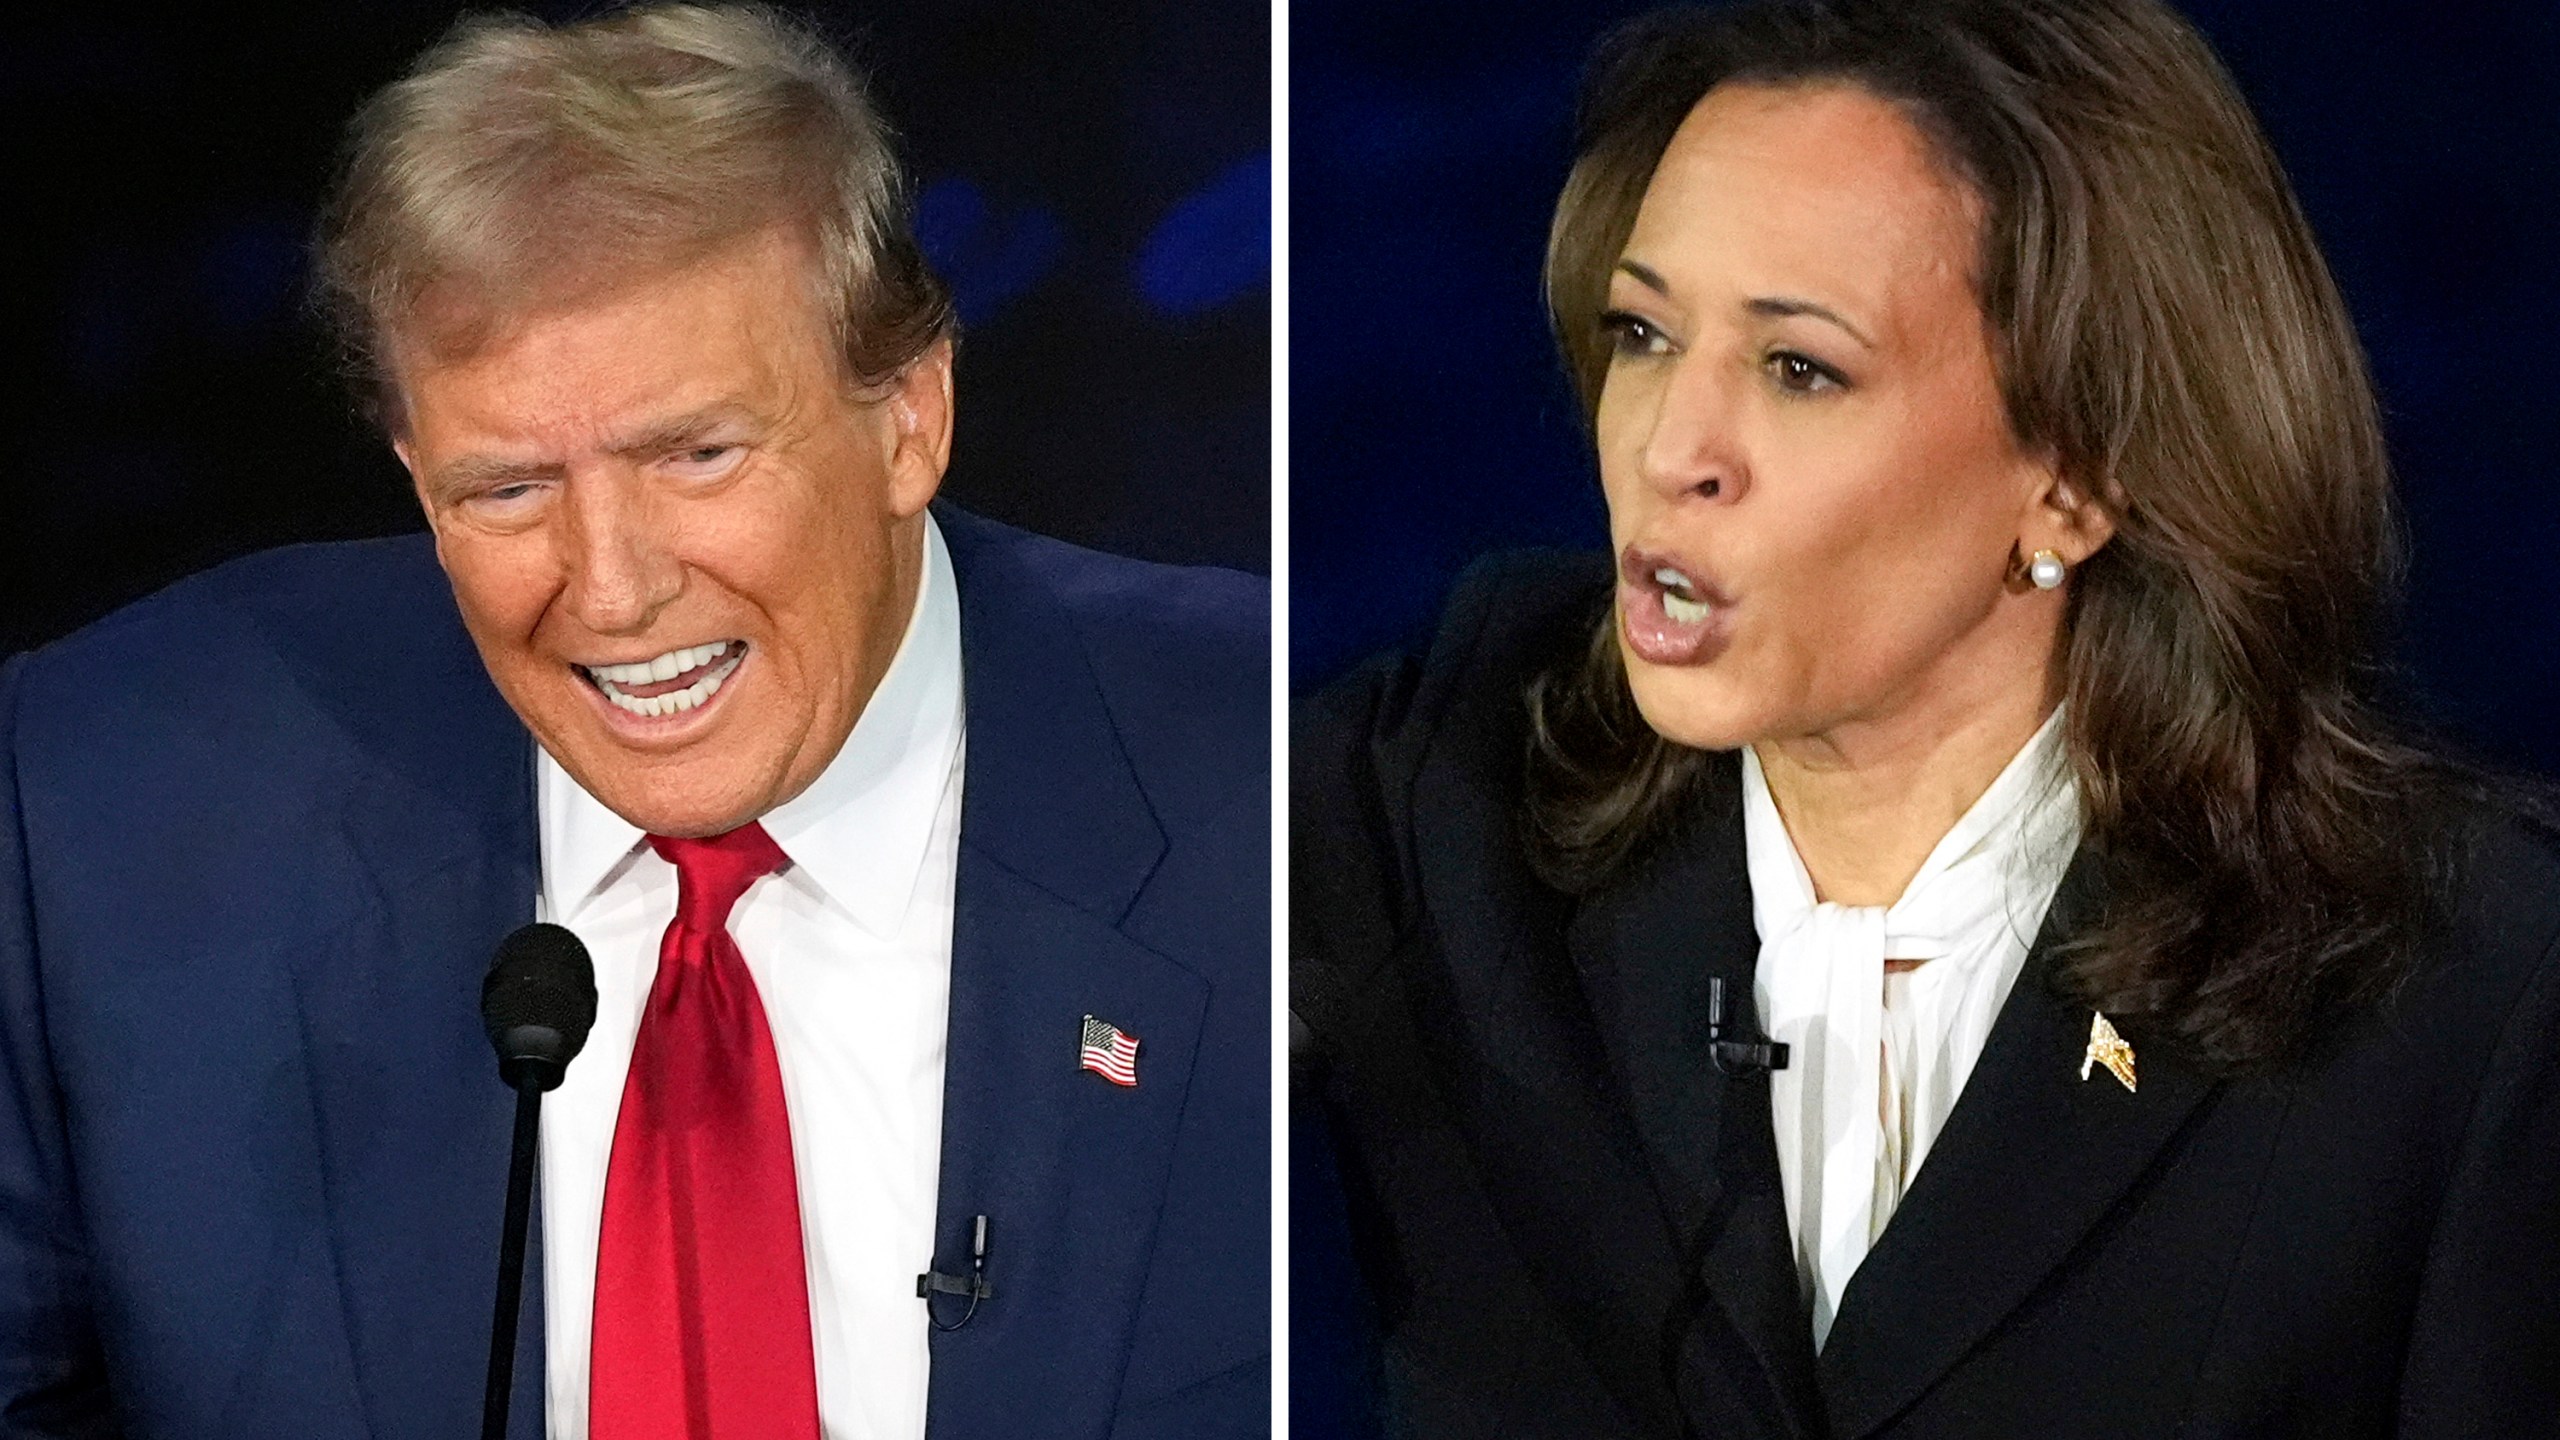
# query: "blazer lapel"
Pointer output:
{"type": "Point", "coordinates": [411, 1122]}
{"type": "Point", "coordinates": [1069, 1168]}
{"type": "Point", "coordinates": [2031, 1158]}
{"type": "Point", "coordinates": [1646, 947]}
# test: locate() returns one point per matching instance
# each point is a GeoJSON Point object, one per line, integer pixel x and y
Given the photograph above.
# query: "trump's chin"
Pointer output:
{"type": "Point", "coordinates": [695, 772]}
{"type": "Point", "coordinates": [708, 795]}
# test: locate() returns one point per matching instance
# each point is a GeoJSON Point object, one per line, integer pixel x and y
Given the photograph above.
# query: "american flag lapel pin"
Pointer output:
{"type": "Point", "coordinates": [1109, 1052]}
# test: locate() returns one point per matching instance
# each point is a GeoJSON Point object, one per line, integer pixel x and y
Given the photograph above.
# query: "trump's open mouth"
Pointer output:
{"type": "Point", "coordinates": [668, 684]}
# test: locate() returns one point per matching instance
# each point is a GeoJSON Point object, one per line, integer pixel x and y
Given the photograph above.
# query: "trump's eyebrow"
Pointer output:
{"type": "Point", "coordinates": [675, 432]}
{"type": "Point", "coordinates": [475, 472]}
{"type": "Point", "coordinates": [654, 437]}
{"type": "Point", "coordinates": [1775, 307]}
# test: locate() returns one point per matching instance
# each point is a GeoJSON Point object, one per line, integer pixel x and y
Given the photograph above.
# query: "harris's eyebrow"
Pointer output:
{"type": "Point", "coordinates": [1645, 276]}
{"type": "Point", "coordinates": [1780, 307]}
{"type": "Point", "coordinates": [1776, 307]}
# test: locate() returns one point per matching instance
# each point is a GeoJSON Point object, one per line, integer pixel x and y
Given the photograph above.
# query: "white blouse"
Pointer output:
{"type": "Point", "coordinates": [1879, 1057]}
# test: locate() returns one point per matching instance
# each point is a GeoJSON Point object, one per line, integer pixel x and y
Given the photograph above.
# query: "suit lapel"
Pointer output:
{"type": "Point", "coordinates": [2031, 1159]}
{"type": "Point", "coordinates": [1646, 947]}
{"type": "Point", "coordinates": [412, 1124]}
{"type": "Point", "coordinates": [1056, 841]}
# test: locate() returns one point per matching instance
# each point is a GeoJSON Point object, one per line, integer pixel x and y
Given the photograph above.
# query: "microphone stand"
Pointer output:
{"type": "Point", "coordinates": [502, 1333]}
{"type": "Point", "coordinates": [537, 1003]}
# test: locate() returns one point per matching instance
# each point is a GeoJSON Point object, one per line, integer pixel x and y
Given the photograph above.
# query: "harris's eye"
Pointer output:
{"type": "Point", "coordinates": [1631, 334]}
{"type": "Point", "coordinates": [1800, 374]}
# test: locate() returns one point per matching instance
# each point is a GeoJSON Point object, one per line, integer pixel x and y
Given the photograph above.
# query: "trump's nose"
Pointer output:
{"type": "Point", "coordinates": [615, 552]}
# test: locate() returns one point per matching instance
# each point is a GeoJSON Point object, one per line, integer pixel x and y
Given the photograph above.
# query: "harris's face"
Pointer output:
{"type": "Point", "coordinates": [1812, 484]}
{"type": "Point", "coordinates": [685, 549]}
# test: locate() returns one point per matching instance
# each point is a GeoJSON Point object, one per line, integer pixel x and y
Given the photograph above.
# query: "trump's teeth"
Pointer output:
{"type": "Point", "coordinates": [664, 667]}
{"type": "Point", "coordinates": [676, 701]}
{"type": "Point", "coordinates": [1683, 610]}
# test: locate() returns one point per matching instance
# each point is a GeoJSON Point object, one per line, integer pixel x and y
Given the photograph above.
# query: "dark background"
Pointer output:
{"type": "Point", "coordinates": [1431, 422]}
{"type": "Point", "coordinates": [1094, 178]}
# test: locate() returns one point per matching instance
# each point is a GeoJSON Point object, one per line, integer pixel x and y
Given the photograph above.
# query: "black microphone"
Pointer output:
{"type": "Point", "coordinates": [539, 1001]}
{"type": "Point", "coordinates": [1752, 1054]}
{"type": "Point", "coordinates": [972, 1285]}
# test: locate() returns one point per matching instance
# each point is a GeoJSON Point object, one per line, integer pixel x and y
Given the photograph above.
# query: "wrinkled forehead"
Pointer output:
{"type": "Point", "coordinates": [464, 313]}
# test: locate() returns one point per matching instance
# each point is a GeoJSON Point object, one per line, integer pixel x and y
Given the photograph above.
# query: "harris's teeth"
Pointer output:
{"type": "Point", "coordinates": [1683, 610]}
{"type": "Point", "coordinates": [1679, 597]}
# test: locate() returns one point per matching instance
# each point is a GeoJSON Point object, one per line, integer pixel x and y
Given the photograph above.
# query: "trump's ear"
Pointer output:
{"type": "Point", "coordinates": [418, 488]}
{"type": "Point", "coordinates": [917, 409]}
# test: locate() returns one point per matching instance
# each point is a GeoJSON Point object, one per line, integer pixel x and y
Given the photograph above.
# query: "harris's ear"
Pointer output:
{"type": "Point", "coordinates": [917, 410]}
{"type": "Point", "coordinates": [2065, 519]}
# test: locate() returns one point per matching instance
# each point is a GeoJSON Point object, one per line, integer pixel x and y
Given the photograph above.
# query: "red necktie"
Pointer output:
{"type": "Point", "coordinates": [702, 1297]}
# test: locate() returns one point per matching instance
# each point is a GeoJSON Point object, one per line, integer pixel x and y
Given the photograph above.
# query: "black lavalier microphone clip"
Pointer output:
{"type": "Point", "coordinates": [974, 1284]}
{"type": "Point", "coordinates": [1751, 1054]}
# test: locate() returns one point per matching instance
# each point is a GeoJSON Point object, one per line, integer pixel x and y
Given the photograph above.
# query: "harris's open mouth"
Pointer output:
{"type": "Point", "coordinates": [1669, 611]}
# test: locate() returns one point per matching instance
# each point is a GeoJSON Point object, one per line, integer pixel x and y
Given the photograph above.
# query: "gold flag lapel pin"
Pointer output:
{"type": "Point", "coordinates": [2107, 1048]}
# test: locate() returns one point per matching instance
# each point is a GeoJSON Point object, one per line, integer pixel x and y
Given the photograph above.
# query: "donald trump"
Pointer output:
{"type": "Point", "coordinates": [868, 810]}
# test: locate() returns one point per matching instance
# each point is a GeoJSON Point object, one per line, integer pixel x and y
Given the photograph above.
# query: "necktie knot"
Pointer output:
{"type": "Point", "coordinates": [714, 870]}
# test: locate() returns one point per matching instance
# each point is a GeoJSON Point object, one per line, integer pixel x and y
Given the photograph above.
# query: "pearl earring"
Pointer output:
{"type": "Point", "coordinates": [2045, 570]}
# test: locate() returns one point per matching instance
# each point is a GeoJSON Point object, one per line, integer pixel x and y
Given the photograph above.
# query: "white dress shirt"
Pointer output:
{"type": "Point", "coordinates": [850, 948]}
{"type": "Point", "coordinates": [1879, 1057]}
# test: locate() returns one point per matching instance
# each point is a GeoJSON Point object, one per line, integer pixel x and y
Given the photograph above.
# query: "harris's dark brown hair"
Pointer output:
{"type": "Point", "coordinates": [2162, 322]}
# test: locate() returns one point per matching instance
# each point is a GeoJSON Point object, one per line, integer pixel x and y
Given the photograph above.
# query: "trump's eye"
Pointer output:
{"type": "Point", "coordinates": [1631, 334]}
{"type": "Point", "coordinates": [1801, 374]}
{"type": "Point", "coordinates": [502, 506]}
{"type": "Point", "coordinates": [702, 461]}
{"type": "Point", "coordinates": [509, 498]}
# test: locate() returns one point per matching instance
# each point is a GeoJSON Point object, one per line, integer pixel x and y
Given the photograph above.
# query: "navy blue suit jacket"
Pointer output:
{"type": "Point", "coordinates": [262, 832]}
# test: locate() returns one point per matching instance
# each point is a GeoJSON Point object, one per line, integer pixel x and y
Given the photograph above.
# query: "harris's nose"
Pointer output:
{"type": "Point", "coordinates": [616, 553]}
{"type": "Point", "coordinates": [1692, 441]}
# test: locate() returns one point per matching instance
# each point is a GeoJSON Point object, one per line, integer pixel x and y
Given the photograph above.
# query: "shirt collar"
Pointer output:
{"type": "Point", "coordinates": [860, 833]}
{"type": "Point", "coordinates": [2010, 845]}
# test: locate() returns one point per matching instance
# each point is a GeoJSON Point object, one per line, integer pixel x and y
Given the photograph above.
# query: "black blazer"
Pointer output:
{"type": "Point", "coordinates": [1572, 1226]}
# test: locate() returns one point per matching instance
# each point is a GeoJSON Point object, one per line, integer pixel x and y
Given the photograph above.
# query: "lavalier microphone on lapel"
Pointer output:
{"type": "Point", "coordinates": [1750, 1053]}
{"type": "Point", "coordinates": [973, 1285]}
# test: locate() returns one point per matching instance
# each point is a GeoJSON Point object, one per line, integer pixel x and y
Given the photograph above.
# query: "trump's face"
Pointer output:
{"type": "Point", "coordinates": [684, 544]}
{"type": "Point", "coordinates": [1813, 487]}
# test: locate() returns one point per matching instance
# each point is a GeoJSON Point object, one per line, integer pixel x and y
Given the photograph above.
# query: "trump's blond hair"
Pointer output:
{"type": "Point", "coordinates": [521, 167]}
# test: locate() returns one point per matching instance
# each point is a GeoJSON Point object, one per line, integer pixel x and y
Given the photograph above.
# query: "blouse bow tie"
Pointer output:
{"type": "Point", "coordinates": [1881, 1051]}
